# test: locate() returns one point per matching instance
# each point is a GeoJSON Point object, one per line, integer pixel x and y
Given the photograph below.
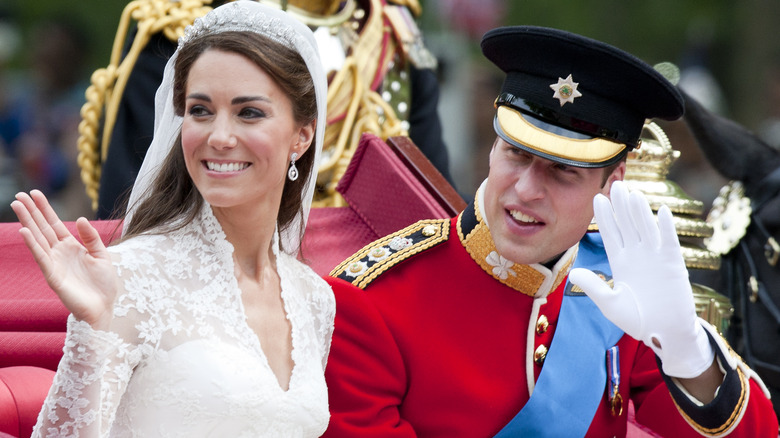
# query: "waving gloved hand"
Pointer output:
{"type": "Point", "coordinates": [652, 299]}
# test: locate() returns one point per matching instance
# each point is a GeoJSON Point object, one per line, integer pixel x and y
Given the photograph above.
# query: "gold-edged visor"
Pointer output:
{"type": "Point", "coordinates": [581, 151]}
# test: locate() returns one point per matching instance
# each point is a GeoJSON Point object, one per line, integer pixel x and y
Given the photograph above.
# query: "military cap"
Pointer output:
{"type": "Point", "coordinates": [572, 99]}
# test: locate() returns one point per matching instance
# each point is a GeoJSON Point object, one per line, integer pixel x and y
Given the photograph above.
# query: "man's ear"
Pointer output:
{"type": "Point", "coordinates": [617, 174]}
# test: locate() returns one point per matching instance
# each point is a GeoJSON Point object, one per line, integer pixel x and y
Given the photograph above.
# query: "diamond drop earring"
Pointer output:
{"type": "Point", "coordinates": [292, 173]}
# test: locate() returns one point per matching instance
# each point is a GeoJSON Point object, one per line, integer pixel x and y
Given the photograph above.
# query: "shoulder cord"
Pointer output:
{"type": "Point", "coordinates": [354, 105]}
{"type": "Point", "coordinates": [413, 5]}
{"type": "Point", "coordinates": [108, 84]}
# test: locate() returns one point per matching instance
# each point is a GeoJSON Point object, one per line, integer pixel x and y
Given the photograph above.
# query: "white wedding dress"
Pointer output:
{"type": "Point", "coordinates": [180, 359]}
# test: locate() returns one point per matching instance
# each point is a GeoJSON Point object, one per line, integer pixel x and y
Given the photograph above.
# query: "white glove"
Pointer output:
{"type": "Point", "coordinates": [652, 299]}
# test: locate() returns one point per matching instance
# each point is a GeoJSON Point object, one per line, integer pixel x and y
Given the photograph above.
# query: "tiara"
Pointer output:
{"type": "Point", "coordinates": [243, 16]}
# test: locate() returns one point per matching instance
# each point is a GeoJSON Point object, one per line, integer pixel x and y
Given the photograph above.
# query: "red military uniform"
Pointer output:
{"type": "Point", "coordinates": [435, 337]}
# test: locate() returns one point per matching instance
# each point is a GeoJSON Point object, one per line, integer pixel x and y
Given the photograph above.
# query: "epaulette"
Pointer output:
{"type": "Point", "coordinates": [368, 263]}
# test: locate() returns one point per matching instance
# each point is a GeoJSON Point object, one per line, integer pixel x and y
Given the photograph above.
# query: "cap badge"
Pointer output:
{"type": "Point", "coordinates": [565, 90]}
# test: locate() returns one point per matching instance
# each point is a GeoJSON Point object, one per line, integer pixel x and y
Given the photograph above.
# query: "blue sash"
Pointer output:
{"type": "Point", "coordinates": [574, 375]}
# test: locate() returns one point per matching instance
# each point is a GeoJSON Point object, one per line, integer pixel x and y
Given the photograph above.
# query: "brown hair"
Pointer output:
{"type": "Point", "coordinates": [173, 200]}
{"type": "Point", "coordinates": [611, 168]}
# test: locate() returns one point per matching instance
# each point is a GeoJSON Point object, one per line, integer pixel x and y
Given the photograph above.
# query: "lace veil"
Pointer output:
{"type": "Point", "coordinates": [242, 15]}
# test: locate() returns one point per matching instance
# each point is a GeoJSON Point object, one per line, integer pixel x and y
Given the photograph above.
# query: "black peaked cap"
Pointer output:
{"type": "Point", "coordinates": [619, 91]}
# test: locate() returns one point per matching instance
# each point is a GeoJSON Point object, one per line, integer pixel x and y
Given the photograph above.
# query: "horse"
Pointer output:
{"type": "Point", "coordinates": [746, 227]}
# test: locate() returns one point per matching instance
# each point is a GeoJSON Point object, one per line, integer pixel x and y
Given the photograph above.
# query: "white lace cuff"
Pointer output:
{"type": "Point", "coordinates": [87, 345]}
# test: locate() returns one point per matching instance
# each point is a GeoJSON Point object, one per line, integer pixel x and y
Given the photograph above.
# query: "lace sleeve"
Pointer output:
{"type": "Point", "coordinates": [92, 375]}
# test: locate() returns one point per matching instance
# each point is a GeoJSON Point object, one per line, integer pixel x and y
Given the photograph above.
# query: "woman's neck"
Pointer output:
{"type": "Point", "coordinates": [251, 234]}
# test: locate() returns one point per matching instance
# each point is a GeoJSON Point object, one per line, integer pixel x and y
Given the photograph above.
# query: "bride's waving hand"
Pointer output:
{"type": "Point", "coordinates": [81, 274]}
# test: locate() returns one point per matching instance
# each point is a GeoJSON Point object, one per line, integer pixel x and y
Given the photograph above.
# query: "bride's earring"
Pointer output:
{"type": "Point", "coordinates": [292, 173]}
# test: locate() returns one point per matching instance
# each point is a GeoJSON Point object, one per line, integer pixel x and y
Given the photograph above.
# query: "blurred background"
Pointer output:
{"type": "Point", "coordinates": [726, 50]}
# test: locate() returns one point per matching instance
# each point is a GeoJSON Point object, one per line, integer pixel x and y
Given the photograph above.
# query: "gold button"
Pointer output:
{"type": "Point", "coordinates": [542, 324]}
{"type": "Point", "coordinates": [430, 230]}
{"type": "Point", "coordinates": [540, 354]}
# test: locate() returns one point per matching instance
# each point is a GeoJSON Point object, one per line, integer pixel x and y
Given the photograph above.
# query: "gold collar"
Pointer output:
{"type": "Point", "coordinates": [532, 280]}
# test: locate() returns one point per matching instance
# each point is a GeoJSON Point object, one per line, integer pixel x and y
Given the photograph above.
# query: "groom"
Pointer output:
{"type": "Point", "coordinates": [503, 321]}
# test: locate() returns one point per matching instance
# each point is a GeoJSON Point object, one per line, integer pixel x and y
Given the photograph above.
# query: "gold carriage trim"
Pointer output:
{"type": "Point", "coordinates": [736, 414]}
{"type": "Point", "coordinates": [380, 255]}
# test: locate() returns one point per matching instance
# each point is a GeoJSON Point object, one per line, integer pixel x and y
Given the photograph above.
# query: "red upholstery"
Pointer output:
{"type": "Point", "coordinates": [40, 349]}
{"type": "Point", "coordinates": [32, 319]}
{"type": "Point", "coordinates": [636, 430]}
{"type": "Point", "coordinates": [16, 260]}
{"type": "Point", "coordinates": [383, 191]}
{"type": "Point", "coordinates": [22, 390]}
{"type": "Point", "coordinates": [32, 330]}
{"type": "Point", "coordinates": [332, 235]}
{"type": "Point", "coordinates": [387, 185]}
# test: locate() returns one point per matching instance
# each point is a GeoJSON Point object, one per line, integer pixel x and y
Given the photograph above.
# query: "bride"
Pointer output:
{"type": "Point", "coordinates": [201, 321]}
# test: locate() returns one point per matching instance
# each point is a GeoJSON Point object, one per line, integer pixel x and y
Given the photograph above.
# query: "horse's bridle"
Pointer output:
{"type": "Point", "coordinates": [766, 190]}
{"type": "Point", "coordinates": [752, 289]}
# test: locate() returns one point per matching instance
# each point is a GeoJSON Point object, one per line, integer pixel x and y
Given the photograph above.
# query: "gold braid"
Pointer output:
{"type": "Point", "coordinates": [354, 107]}
{"type": "Point", "coordinates": [108, 84]}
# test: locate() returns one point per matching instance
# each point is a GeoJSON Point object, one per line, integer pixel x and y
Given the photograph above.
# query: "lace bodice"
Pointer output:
{"type": "Point", "coordinates": [180, 359]}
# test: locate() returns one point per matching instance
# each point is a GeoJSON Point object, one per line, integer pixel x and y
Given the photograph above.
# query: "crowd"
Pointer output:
{"type": "Point", "coordinates": [40, 106]}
